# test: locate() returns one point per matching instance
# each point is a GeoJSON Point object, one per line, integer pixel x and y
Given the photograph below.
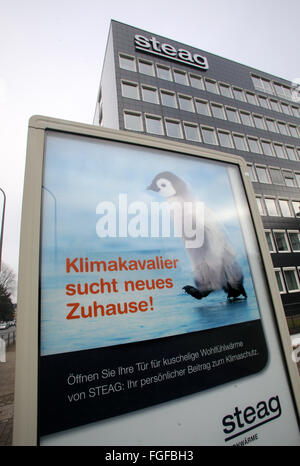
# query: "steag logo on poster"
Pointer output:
{"type": "Point", "coordinates": [251, 417]}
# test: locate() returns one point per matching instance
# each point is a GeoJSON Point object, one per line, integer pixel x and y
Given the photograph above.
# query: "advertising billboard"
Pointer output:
{"type": "Point", "coordinates": [155, 308]}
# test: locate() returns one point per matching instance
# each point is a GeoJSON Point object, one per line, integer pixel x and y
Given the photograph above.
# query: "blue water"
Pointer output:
{"type": "Point", "coordinates": [174, 312]}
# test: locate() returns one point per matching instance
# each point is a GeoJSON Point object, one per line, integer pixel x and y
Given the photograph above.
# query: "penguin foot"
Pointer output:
{"type": "Point", "coordinates": [235, 292]}
{"type": "Point", "coordinates": [197, 294]}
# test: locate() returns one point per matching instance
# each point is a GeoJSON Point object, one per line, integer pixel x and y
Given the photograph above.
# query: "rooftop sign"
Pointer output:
{"type": "Point", "coordinates": [168, 51]}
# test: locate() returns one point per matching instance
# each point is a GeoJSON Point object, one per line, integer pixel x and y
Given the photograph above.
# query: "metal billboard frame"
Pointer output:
{"type": "Point", "coordinates": [25, 430]}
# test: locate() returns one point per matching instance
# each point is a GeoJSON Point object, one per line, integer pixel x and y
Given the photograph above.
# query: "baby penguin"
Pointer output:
{"type": "Point", "coordinates": [214, 261]}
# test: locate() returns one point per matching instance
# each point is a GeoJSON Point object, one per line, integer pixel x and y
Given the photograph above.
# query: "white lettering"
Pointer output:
{"type": "Point", "coordinates": [200, 60]}
{"type": "Point", "coordinates": [142, 41]}
{"type": "Point", "coordinates": [185, 55]}
{"type": "Point", "coordinates": [155, 44]}
{"type": "Point", "coordinates": [135, 219]}
{"type": "Point", "coordinates": [106, 225]}
{"type": "Point", "coordinates": [169, 51]}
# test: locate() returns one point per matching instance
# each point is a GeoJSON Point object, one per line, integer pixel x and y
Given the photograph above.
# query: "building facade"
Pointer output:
{"type": "Point", "coordinates": [157, 86]}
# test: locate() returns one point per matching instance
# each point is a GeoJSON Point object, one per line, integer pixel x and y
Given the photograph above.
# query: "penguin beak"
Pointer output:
{"type": "Point", "coordinates": [153, 187]}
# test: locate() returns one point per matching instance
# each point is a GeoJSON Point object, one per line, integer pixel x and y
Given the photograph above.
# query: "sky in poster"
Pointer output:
{"type": "Point", "coordinates": [91, 172]}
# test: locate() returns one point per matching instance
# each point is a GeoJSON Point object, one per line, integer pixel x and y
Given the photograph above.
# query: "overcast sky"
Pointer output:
{"type": "Point", "coordinates": [51, 55]}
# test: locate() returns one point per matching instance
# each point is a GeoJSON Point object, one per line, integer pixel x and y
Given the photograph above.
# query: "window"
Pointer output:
{"type": "Point", "coordinates": [251, 172]}
{"type": "Point", "coordinates": [270, 241]}
{"type": "Point", "coordinates": [287, 91]}
{"type": "Point", "coordinates": [180, 77]}
{"type": "Point", "coordinates": [281, 241]}
{"type": "Point", "coordinates": [196, 81]}
{"type": "Point", "coordinates": [238, 94]}
{"type": "Point", "coordinates": [164, 72]}
{"type": "Point", "coordinates": [133, 121]}
{"type": "Point", "coordinates": [267, 148]}
{"type": "Point", "coordinates": [262, 83]}
{"type": "Point", "coordinates": [285, 108]}
{"type": "Point", "coordinates": [209, 136]}
{"type": "Point", "coordinates": [263, 101]}
{"type": "Point", "coordinates": [289, 178]}
{"type": "Point", "coordinates": [297, 177]}
{"type": "Point", "coordinates": [283, 91]}
{"type": "Point", "coordinates": [267, 85]}
{"type": "Point", "coordinates": [293, 131]}
{"type": "Point", "coordinates": [127, 62]}
{"type": "Point", "coordinates": [258, 121]}
{"type": "Point", "coordinates": [271, 125]}
{"type": "Point", "coordinates": [291, 279]}
{"type": "Point", "coordinates": [295, 111]}
{"type": "Point", "coordinates": [186, 103]}
{"type": "Point", "coordinates": [257, 82]}
{"type": "Point", "coordinates": [280, 152]}
{"type": "Point", "coordinates": [173, 128]}
{"type": "Point", "coordinates": [246, 118]}
{"type": "Point", "coordinates": [130, 90]}
{"type": "Point", "coordinates": [271, 207]}
{"type": "Point", "coordinates": [153, 124]}
{"type": "Point", "coordinates": [146, 67]}
{"type": "Point", "coordinates": [285, 208]}
{"type": "Point", "coordinates": [240, 142]}
{"type": "Point", "coordinates": [251, 98]}
{"type": "Point", "coordinates": [211, 86]}
{"type": "Point", "coordinates": [225, 138]}
{"type": "Point", "coordinates": [274, 105]}
{"type": "Point", "coordinates": [232, 115]}
{"type": "Point", "coordinates": [262, 174]}
{"type": "Point", "coordinates": [225, 90]}
{"type": "Point", "coordinates": [296, 207]}
{"type": "Point", "coordinates": [150, 94]}
{"type": "Point", "coordinates": [291, 152]}
{"type": "Point", "coordinates": [217, 111]}
{"type": "Point", "coordinates": [276, 175]}
{"type": "Point", "coordinates": [260, 205]}
{"type": "Point", "coordinates": [294, 238]}
{"type": "Point", "coordinates": [168, 98]}
{"type": "Point", "coordinates": [202, 107]}
{"type": "Point", "coordinates": [280, 281]}
{"type": "Point", "coordinates": [191, 131]}
{"type": "Point", "coordinates": [282, 128]}
{"type": "Point", "coordinates": [278, 89]}
{"type": "Point", "coordinates": [254, 145]}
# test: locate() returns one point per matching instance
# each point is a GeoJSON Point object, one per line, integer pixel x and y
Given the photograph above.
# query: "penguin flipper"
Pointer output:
{"type": "Point", "coordinates": [197, 294]}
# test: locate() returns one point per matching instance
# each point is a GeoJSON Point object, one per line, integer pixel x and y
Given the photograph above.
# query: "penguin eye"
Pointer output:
{"type": "Point", "coordinates": [163, 185]}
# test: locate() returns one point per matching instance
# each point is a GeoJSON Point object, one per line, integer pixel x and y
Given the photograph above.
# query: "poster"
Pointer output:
{"type": "Point", "coordinates": [143, 302]}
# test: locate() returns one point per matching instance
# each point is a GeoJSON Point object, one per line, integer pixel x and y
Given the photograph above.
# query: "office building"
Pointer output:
{"type": "Point", "coordinates": [157, 86]}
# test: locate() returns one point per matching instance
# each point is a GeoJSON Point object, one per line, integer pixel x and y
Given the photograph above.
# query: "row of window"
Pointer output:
{"type": "Point", "coordinates": [270, 205]}
{"type": "Point", "coordinates": [272, 87]}
{"type": "Point", "coordinates": [288, 279]}
{"type": "Point", "coordinates": [203, 107]}
{"type": "Point", "coordinates": [274, 175]}
{"type": "Point", "coordinates": [283, 241]}
{"type": "Point", "coordinates": [155, 124]}
{"type": "Point", "coordinates": [211, 85]}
